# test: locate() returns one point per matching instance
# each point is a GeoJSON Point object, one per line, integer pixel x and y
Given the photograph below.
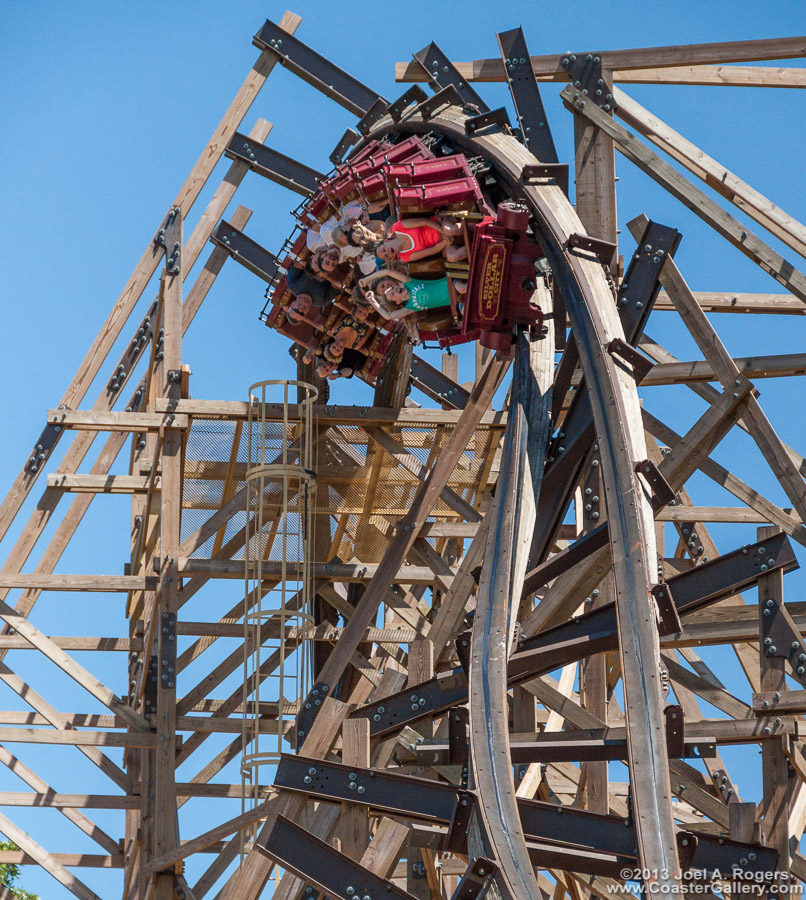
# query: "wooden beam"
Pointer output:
{"type": "Point", "coordinates": [75, 738]}
{"type": "Point", "coordinates": [54, 868]}
{"type": "Point", "coordinates": [595, 198]}
{"type": "Point", "coordinates": [550, 65]}
{"type": "Point", "coordinates": [713, 173]}
{"type": "Point", "coordinates": [354, 830]}
{"type": "Point", "coordinates": [105, 644]}
{"type": "Point", "coordinates": [102, 583]}
{"type": "Point", "coordinates": [347, 572]}
{"type": "Point", "coordinates": [70, 667]}
{"type": "Point", "coordinates": [336, 415]}
{"type": "Point", "coordinates": [776, 366]}
{"type": "Point", "coordinates": [73, 860]}
{"type": "Point", "coordinates": [699, 203]}
{"type": "Point", "coordinates": [736, 302]}
{"type": "Point", "coordinates": [44, 789]}
{"type": "Point", "coordinates": [67, 801]}
{"type": "Point", "coordinates": [90, 420]}
{"type": "Point", "coordinates": [727, 76]}
{"type": "Point", "coordinates": [735, 514]}
{"type": "Point", "coordinates": [99, 484]}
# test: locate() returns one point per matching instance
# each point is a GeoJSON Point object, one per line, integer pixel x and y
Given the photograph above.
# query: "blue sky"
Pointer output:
{"type": "Point", "coordinates": [106, 107]}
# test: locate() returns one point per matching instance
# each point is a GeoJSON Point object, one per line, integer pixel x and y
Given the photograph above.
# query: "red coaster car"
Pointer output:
{"type": "Point", "coordinates": [502, 279]}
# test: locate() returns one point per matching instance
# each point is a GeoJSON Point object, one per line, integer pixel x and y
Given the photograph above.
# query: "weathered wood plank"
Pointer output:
{"type": "Point", "coordinates": [640, 58]}
{"type": "Point", "coordinates": [692, 197]}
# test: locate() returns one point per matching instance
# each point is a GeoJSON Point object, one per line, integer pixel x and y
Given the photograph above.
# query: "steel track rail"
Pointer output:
{"type": "Point", "coordinates": [616, 411]}
{"type": "Point", "coordinates": [495, 829]}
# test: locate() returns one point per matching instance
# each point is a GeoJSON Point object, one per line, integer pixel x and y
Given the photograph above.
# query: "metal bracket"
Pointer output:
{"type": "Point", "coordinates": [374, 114]}
{"type": "Point", "coordinates": [448, 96]}
{"type": "Point", "coordinates": [459, 754]}
{"type": "Point", "coordinates": [556, 173]}
{"type": "Point", "coordinates": [713, 854]}
{"type": "Point", "coordinates": [462, 644]}
{"type": "Point", "coordinates": [669, 617]}
{"type": "Point", "coordinates": [137, 397]}
{"type": "Point", "coordinates": [316, 862]}
{"type": "Point", "coordinates": [436, 384]}
{"type": "Point", "coordinates": [273, 165]}
{"type": "Point", "coordinates": [536, 134]}
{"type": "Point", "coordinates": [780, 637]}
{"type": "Point", "coordinates": [313, 68]}
{"type": "Point", "coordinates": [675, 731]}
{"type": "Point", "coordinates": [416, 798]}
{"type": "Point", "coordinates": [688, 532]}
{"type": "Point", "coordinates": [724, 785]}
{"type": "Point", "coordinates": [132, 353]}
{"type": "Point", "coordinates": [43, 448]}
{"type": "Point", "coordinates": [349, 139]}
{"type": "Point", "coordinates": [641, 366]}
{"type": "Point", "coordinates": [247, 252]}
{"type": "Point", "coordinates": [167, 648]}
{"type": "Point", "coordinates": [415, 94]}
{"type": "Point", "coordinates": [585, 73]}
{"type": "Point", "coordinates": [686, 848]}
{"type": "Point", "coordinates": [440, 693]}
{"type": "Point", "coordinates": [640, 286]}
{"type": "Point", "coordinates": [456, 838]}
{"type": "Point", "coordinates": [475, 879]}
{"type": "Point", "coordinates": [442, 73]}
{"type": "Point", "coordinates": [595, 632]}
{"type": "Point", "coordinates": [150, 689]}
{"type": "Point", "coordinates": [310, 710]}
{"type": "Point", "coordinates": [166, 237]}
{"type": "Point", "coordinates": [662, 493]}
{"type": "Point", "coordinates": [602, 248]}
{"type": "Point", "coordinates": [496, 117]}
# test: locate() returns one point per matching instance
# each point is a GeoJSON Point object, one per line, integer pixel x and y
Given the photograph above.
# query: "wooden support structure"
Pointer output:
{"type": "Point", "coordinates": [423, 662]}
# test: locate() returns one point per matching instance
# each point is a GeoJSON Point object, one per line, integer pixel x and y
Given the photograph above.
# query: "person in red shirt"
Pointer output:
{"type": "Point", "coordinates": [415, 239]}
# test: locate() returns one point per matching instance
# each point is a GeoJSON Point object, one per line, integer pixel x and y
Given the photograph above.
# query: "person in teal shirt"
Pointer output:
{"type": "Point", "coordinates": [407, 295]}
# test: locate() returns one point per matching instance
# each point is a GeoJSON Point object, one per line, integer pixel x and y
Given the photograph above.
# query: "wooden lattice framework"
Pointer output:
{"type": "Point", "coordinates": [420, 512]}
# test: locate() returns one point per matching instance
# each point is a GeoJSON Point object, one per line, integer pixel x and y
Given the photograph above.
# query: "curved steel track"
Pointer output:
{"type": "Point", "coordinates": [614, 401]}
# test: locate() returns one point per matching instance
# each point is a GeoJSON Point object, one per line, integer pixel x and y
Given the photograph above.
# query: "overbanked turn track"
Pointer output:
{"type": "Point", "coordinates": [611, 397]}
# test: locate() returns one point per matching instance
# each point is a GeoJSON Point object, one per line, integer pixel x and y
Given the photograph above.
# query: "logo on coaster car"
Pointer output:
{"type": "Point", "coordinates": [492, 280]}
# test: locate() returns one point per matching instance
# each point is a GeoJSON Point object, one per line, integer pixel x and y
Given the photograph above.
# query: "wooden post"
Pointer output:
{"type": "Point", "coordinates": [421, 668]}
{"type": "Point", "coordinates": [355, 816]}
{"type": "Point", "coordinates": [168, 377]}
{"type": "Point", "coordinates": [774, 806]}
{"type": "Point", "coordinates": [595, 162]}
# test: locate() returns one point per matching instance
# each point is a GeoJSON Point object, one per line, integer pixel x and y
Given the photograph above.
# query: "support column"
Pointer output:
{"type": "Point", "coordinates": [595, 165]}
{"type": "Point", "coordinates": [168, 377]}
{"type": "Point", "coordinates": [774, 806]}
